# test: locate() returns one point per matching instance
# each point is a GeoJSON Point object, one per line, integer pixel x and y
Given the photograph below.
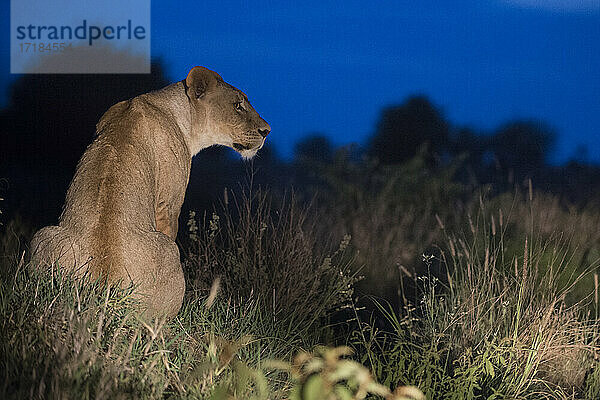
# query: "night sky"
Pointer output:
{"type": "Point", "coordinates": [330, 67]}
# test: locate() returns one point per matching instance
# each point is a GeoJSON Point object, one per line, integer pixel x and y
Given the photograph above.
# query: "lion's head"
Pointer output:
{"type": "Point", "coordinates": [223, 113]}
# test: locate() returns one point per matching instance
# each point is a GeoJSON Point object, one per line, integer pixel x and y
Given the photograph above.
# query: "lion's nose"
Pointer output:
{"type": "Point", "coordinates": [264, 132]}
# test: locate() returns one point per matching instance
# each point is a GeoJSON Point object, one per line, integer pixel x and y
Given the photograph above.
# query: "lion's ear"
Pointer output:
{"type": "Point", "coordinates": [200, 80]}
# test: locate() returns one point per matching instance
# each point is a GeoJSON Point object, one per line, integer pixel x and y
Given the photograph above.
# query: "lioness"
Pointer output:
{"type": "Point", "coordinates": [119, 219]}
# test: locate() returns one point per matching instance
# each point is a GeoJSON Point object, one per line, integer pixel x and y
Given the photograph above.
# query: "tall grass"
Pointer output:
{"type": "Point", "coordinates": [391, 213]}
{"type": "Point", "coordinates": [497, 325]}
{"type": "Point", "coordinates": [271, 254]}
{"type": "Point", "coordinates": [491, 298]}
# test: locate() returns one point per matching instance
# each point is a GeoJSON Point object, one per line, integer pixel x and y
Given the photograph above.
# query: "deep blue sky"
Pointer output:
{"type": "Point", "coordinates": [330, 67]}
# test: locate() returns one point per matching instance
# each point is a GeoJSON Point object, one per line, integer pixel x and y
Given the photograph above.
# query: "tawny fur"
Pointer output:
{"type": "Point", "coordinates": [120, 217]}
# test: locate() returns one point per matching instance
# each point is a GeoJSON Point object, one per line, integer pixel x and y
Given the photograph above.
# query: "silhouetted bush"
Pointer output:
{"type": "Point", "coordinates": [314, 148]}
{"type": "Point", "coordinates": [522, 146]}
{"type": "Point", "coordinates": [403, 130]}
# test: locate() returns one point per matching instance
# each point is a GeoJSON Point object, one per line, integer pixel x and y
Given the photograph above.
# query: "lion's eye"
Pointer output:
{"type": "Point", "coordinates": [239, 106]}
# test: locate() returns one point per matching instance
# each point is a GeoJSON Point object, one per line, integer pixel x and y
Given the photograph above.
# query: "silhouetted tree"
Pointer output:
{"type": "Point", "coordinates": [403, 130]}
{"type": "Point", "coordinates": [522, 146]}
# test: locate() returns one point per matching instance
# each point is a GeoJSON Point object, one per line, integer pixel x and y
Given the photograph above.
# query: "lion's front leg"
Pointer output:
{"type": "Point", "coordinates": [167, 221]}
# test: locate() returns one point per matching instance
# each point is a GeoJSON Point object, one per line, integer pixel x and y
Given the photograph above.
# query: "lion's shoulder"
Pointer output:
{"type": "Point", "coordinates": [115, 113]}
